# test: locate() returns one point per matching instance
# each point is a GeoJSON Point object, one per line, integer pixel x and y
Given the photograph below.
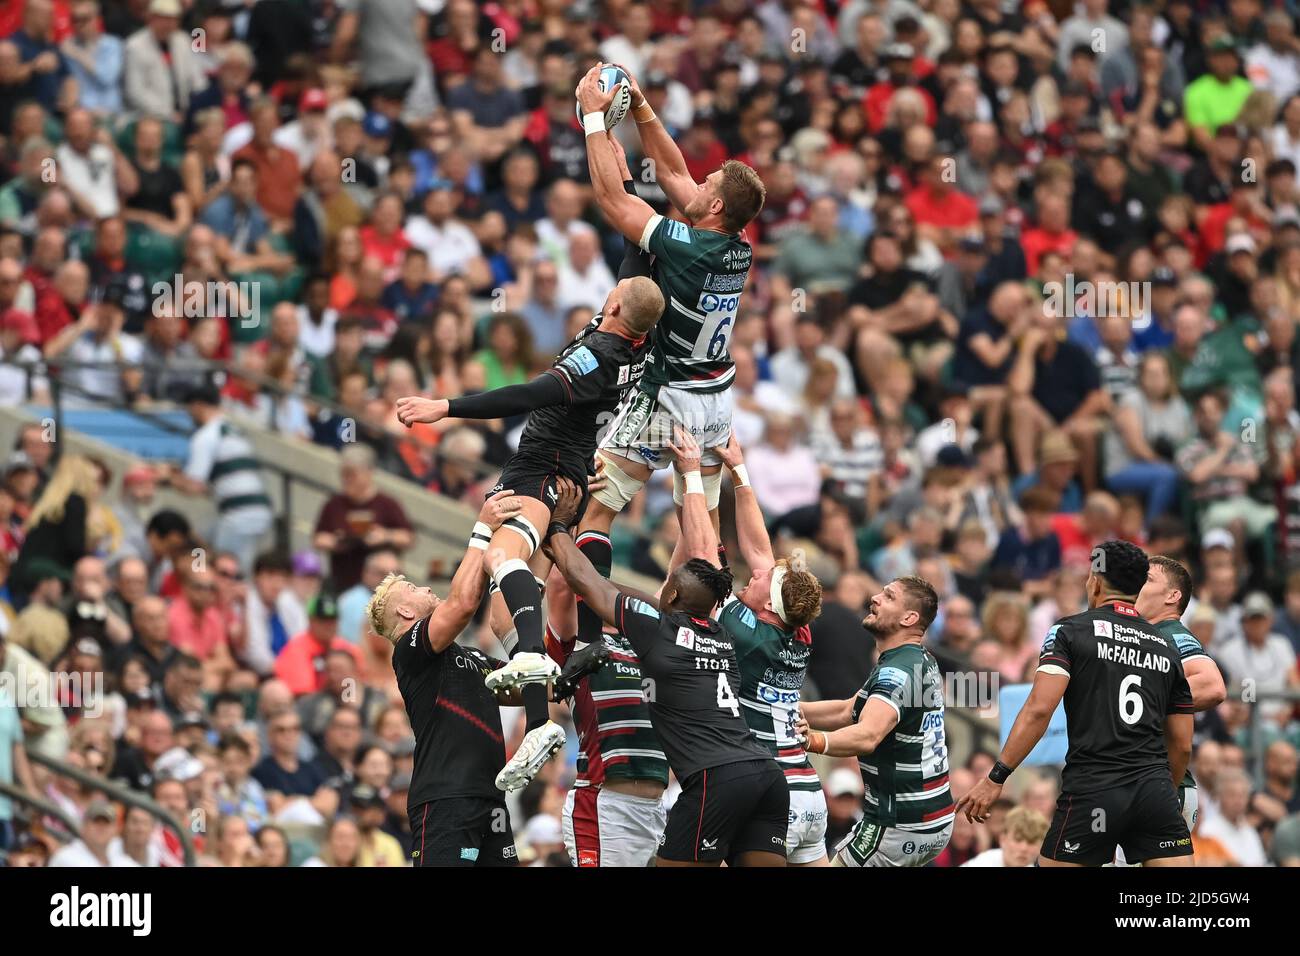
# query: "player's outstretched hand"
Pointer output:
{"type": "Point", "coordinates": [590, 98]}
{"type": "Point", "coordinates": [686, 450]}
{"type": "Point", "coordinates": [732, 455]}
{"type": "Point", "coordinates": [414, 408]}
{"type": "Point", "coordinates": [638, 98]}
{"type": "Point", "coordinates": [498, 508]}
{"type": "Point", "coordinates": [979, 800]}
{"type": "Point", "coordinates": [568, 500]}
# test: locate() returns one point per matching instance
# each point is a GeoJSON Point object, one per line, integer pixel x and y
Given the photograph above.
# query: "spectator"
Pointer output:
{"type": "Point", "coordinates": [273, 615]}
{"type": "Point", "coordinates": [95, 61]}
{"type": "Point", "coordinates": [1230, 826]}
{"type": "Point", "coordinates": [96, 847]}
{"type": "Point", "coordinates": [359, 518]}
{"type": "Point", "coordinates": [1259, 656]}
{"type": "Point", "coordinates": [1031, 553]}
{"type": "Point", "coordinates": [1018, 845]}
{"type": "Point", "coordinates": [160, 71]}
{"type": "Point", "coordinates": [301, 663]}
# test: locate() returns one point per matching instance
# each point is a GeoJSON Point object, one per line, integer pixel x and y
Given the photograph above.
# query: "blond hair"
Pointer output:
{"type": "Point", "coordinates": [377, 609]}
{"type": "Point", "coordinates": [75, 475]}
{"type": "Point", "coordinates": [642, 304]}
{"type": "Point", "coordinates": [743, 194]}
{"type": "Point", "coordinates": [801, 594]}
{"type": "Point", "coordinates": [1025, 825]}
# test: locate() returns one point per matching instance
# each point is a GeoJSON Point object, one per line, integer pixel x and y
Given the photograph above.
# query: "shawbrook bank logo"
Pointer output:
{"type": "Point", "coordinates": [75, 909]}
{"type": "Point", "coordinates": [1080, 297]}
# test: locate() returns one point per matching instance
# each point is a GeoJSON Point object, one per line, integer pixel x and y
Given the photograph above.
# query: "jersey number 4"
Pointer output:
{"type": "Point", "coordinates": [726, 699]}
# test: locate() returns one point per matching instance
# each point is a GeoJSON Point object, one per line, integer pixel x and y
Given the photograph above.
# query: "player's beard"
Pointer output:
{"type": "Point", "coordinates": [874, 626]}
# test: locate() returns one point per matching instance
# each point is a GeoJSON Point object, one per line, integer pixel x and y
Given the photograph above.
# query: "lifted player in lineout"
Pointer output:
{"type": "Point", "coordinates": [566, 405]}
{"type": "Point", "coordinates": [894, 726]}
{"type": "Point", "coordinates": [701, 267]}
{"type": "Point", "coordinates": [1129, 719]}
{"type": "Point", "coordinates": [734, 803]}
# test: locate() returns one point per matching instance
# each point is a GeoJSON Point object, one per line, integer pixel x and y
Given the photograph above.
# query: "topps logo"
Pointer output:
{"type": "Point", "coordinates": [686, 638]}
{"type": "Point", "coordinates": [73, 909]}
{"type": "Point", "coordinates": [1102, 629]}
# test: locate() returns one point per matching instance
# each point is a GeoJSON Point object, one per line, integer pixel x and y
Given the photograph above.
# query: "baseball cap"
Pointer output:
{"type": "Point", "coordinates": [165, 8]}
{"type": "Point", "coordinates": [1223, 44]}
{"type": "Point", "coordinates": [1257, 604]}
{"type": "Point", "coordinates": [898, 51]}
{"type": "Point", "coordinates": [26, 842]}
{"type": "Point", "coordinates": [952, 456]}
{"type": "Point", "coordinates": [307, 564]}
{"type": "Point", "coordinates": [972, 242]}
{"type": "Point", "coordinates": [1241, 242]}
{"type": "Point", "coordinates": [140, 698]}
{"type": "Point", "coordinates": [377, 125]}
{"type": "Point", "coordinates": [843, 782]}
{"type": "Point", "coordinates": [1057, 448]}
{"type": "Point", "coordinates": [991, 205]}
{"type": "Point", "coordinates": [22, 322]}
{"type": "Point", "coordinates": [204, 394]}
{"type": "Point", "coordinates": [191, 718]}
{"type": "Point", "coordinates": [1218, 538]}
{"type": "Point", "coordinates": [313, 100]}
{"type": "Point", "coordinates": [139, 473]}
{"type": "Point", "coordinates": [543, 828]}
{"type": "Point", "coordinates": [364, 795]}
{"type": "Point", "coordinates": [88, 646]}
{"type": "Point", "coordinates": [18, 461]}
{"type": "Point", "coordinates": [324, 607]}
{"type": "Point", "coordinates": [1164, 276]}
{"type": "Point", "coordinates": [177, 764]}
{"type": "Point", "coordinates": [100, 810]}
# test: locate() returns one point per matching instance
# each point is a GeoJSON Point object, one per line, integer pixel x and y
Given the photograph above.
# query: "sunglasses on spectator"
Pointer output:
{"type": "Point", "coordinates": [230, 575]}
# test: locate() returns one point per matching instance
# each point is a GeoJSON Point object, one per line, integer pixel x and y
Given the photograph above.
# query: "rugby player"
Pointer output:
{"type": "Point", "coordinates": [1129, 722]}
{"type": "Point", "coordinates": [1162, 601]}
{"type": "Point", "coordinates": [734, 801]}
{"type": "Point", "coordinates": [457, 814]}
{"type": "Point", "coordinates": [769, 623]}
{"type": "Point", "coordinates": [614, 813]}
{"type": "Point", "coordinates": [894, 725]}
{"type": "Point", "coordinates": [701, 266]}
{"type": "Point", "coordinates": [566, 405]}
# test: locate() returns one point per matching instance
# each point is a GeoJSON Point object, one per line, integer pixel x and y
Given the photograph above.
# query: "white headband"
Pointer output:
{"type": "Point", "coordinates": [778, 604]}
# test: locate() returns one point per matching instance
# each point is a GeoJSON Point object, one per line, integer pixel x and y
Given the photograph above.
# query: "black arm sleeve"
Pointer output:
{"type": "Point", "coordinates": [546, 389]}
{"type": "Point", "coordinates": [636, 261]}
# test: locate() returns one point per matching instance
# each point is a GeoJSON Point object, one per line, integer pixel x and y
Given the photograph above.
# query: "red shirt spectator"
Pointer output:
{"type": "Point", "coordinates": [301, 663]}
{"type": "Point", "coordinates": [194, 623]}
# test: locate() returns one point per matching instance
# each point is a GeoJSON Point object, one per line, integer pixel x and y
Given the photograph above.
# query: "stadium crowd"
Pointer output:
{"type": "Point", "coordinates": [1027, 278]}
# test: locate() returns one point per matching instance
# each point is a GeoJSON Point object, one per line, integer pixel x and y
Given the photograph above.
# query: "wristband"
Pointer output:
{"type": "Point", "coordinates": [480, 536]}
{"type": "Point", "coordinates": [1000, 772]}
{"type": "Point", "coordinates": [593, 122]}
{"type": "Point", "coordinates": [640, 113]}
{"type": "Point", "coordinates": [694, 483]}
{"type": "Point", "coordinates": [817, 742]}
{"type": "Point", "coordinates": [740, 474]}
{"type": "Point", "coordinates": [554, 528]}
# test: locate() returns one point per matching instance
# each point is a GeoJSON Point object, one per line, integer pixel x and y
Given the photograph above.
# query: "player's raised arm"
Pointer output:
{"type": "Point", "coordinates": [751, 528]}
{"type": "Point", "coordinates": [824, 715]}
{"type": "Point", "coordinates": [698, 537]}
{"type": "Point", "coordinates": [670, 170]}
{"type": "Point", "coordinates": [584, 580]}
{"type": "Point", "coordinates": [453, 615]}
{"type": "Point", "coordinates": [627, 213]}
{"type": "Point", "coordinates": [1031, 723]}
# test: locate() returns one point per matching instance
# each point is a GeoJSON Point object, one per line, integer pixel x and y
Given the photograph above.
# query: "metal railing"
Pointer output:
{"type": "Point", "coordinates": [1258, 745]}
{"type": "Point", "coordinates": [121, 794]}
{"type": "Point", "coordinates": [59, 386]}
{"type": "Point", "coordinates": [46, 808]}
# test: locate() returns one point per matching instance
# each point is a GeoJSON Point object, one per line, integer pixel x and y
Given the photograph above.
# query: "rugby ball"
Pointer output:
{"type": "Point", "coordinates": [612, 78]}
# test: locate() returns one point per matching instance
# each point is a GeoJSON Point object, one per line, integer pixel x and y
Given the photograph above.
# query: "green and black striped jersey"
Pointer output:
{"type": "Point", "coordinates": [773, 663]}
{"type": "Point", "coordinates": [1188, 648]}
{"type": "Point", "coordinates": [701, 274]}
{"type": "Point", "coordinates": [906, 776]}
